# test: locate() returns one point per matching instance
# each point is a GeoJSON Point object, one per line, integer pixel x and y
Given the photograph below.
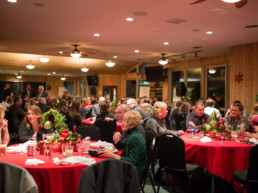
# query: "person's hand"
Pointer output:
{"type": "Point", "coordinates": [192, 123]}
{"type": "Point", "coordinates": [106, 154]}
{"type": "Point", "coordinates": [181, 131]}
{"type": "Point", "coordinates": [116, 137]}
{"type": "Point", "coordinates": [248, 134]}
{"type": "Point", "coordinates": [108, 119]}
{"type": "Point", "coordinates": [5, 125]}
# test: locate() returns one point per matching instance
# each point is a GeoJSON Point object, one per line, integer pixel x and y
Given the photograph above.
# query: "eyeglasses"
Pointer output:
{"type": "Point", "coordinates": [234, 110]}
{"type": "Point", "coordinates": [118, 112]}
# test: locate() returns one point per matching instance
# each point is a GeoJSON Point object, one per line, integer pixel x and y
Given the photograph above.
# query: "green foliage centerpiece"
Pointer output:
{"type": "Point", "coordinates": [56, 121]}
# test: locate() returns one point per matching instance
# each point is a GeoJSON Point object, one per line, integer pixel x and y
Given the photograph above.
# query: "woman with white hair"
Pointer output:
{"type": "Point", "coordinates": [157, 122]}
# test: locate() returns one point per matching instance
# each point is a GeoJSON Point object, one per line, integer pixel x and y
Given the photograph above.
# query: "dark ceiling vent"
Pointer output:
{"type": "Point", "coordinates": [176, 21]}
{"type": "Point", "coordinates": [196, 30]}
{"type": "Point", "coordinates": [251, 26]}
{"type": "Point", "coordinates": [197, 47]}
{"type": "Point", "coordinates": [38, 4]}
{"type": "Point", "coordinates": [140, 13]}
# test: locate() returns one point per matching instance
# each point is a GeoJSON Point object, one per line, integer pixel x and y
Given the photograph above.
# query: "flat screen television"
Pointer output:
{"type": "Point", "coordinates": [154, 74]}
{"type": "Point", "coordinates": [92, 80]}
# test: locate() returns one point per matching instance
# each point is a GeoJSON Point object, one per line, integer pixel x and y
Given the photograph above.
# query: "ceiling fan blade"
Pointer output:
{"type": "Point", "coordinates": [196, 2]}
{"type": "Point", "coordinates": [241, 3]}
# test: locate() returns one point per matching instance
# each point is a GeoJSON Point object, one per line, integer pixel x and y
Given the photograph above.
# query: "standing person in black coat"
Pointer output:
{"type": "Point", "coordinates": [28, 91]}
{"type": "Point", "coordinates": [7, 91]}
{"type": "Point", "coordinates": [180, 117]}
{"type": "Point", "coordinates": [17, 115]}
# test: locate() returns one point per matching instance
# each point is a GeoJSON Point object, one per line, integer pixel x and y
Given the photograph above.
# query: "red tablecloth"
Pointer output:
{"type": "Point", "coordinates": [219, 157]}
{"type": "Point", "coordinates": [88, 121]}
{"type": "Point", "coordinates": [50, 178]}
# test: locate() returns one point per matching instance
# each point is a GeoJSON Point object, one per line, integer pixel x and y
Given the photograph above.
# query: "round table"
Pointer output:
{"type": "Point", "coordinates": [221, 158]}
{"type": "Point", "coordinates": [51, 178]}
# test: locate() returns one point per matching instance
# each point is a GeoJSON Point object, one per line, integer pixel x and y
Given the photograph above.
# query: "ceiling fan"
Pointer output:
{"type": "Point", "coordinates": [165, 60]}
{"type": "Point", "coordinates": [238, 4]}
{"type": "Point", "coordinates": [77, 54]}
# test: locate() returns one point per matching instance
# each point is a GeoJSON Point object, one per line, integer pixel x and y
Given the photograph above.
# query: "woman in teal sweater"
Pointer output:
{"type": "Point", "coordinates": [134, 145]}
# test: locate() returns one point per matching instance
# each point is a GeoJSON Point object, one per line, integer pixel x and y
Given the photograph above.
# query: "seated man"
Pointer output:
{"type": "Point", "coordinates": [195, 118]}
{"type": "Point", "coordinates": [236, 117]}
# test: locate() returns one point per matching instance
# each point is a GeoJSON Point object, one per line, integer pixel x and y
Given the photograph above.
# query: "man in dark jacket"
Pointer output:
{"type": "Point", "coordinates": [28, 91]}
{"type": "Point", "coordinates": [16, 115]}
{"type": "Point", "coordinates": [43, 105]}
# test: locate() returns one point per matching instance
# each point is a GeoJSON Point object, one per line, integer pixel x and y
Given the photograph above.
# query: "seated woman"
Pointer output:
{"type": "Point", "coordinates": [4, 134]}
{"type": "Point", "coordinates": [74, 117]}
{"type": "Point", "coordinates": [105, 111]}
{"type": "Point", "coordinates": [157, 123]}
{"type": "Point", "coordinates": [134, 145]}
{"type": "Point", "coordinates": [63, 107]}
{"type": "Point", "coordinates": [254, 123]}
{"type": "Point", "coordinates": [180, 117]}
{"type": "Point", "coordinates": [29, 127]}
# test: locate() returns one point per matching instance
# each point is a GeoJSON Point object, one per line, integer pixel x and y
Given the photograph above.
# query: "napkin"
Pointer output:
{"type": "Point", "coordinates": [17, 149]}
{"type": "Point", "coordinates": [255, 141]}
{"type": "Point", "coordinates": [205, 139]}
{"type": "Point", "coordinates": [34, 161]}
{"type": "Point", "coordinates": [102, 143]}
{"type": "Point", "coordinates": [74, 160]}
{"type": "Point", "coordinates": [21, 148]}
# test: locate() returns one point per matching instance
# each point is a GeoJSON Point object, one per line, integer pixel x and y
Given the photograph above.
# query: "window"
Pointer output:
{"type": "Point", "coordinates": [216, 81]}
{"type": "Point", "coordinates": [177, 83]}
{"type": "Point", "coordinates": [194, 84]}
{"type": "Point", "coordinates": [70, 88]}
{"type": "Point", "coordinates": [131, 88]}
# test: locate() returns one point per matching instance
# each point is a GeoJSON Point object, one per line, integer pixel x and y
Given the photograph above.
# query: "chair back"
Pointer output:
{"type": "Point", "coordinates": [149, 135]}
{"type": "Point", "coordinates": [15, 179]}
{"type": "Point", "coordinates": [252, 175]}
{"type": "Point", "coordinates": [92, 131]}
{"type": "Point", "coordinates": [109, 176]}
{"type": "Point", "coordinates": [150, 158]}
{"type": "Point", "coordinates": [171, 153]}
{"type": "Point", "coordinates": [106, 129]}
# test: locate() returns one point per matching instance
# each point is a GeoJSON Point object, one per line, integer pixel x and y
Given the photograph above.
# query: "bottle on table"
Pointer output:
{"type": "Point", "coordinates": [39, 137]}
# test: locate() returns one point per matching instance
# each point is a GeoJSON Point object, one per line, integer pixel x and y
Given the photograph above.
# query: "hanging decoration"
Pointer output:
{"type": "Point", "coordinates": [239, 77]}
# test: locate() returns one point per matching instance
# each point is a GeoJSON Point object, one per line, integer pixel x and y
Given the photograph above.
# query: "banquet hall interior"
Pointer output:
{"type": "Point", "coordinates": [169, 50]}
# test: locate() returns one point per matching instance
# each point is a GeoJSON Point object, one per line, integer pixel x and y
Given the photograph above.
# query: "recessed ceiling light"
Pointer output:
{"type": "Point", "coordinates": [114, 56]}
{"type": "Point", "coordinates": [209, 32]}
{"type": "Point", "coordinates": [96, 35]}
{"type": "Point", "coordinates": [129, 19]}
{"type": "Point", "coordinates": [166, 43]}
{"type": "Point", "coordinates": [12, 1]}
{"type": "Point", "coordinates": [136, 51]}
{"type": "Point", "coordinates": [53, 72]}
{"type": "Point", "coordinates": [60, 52]}
{"type": "Point", "coordinates": [44, 60]}
{"type": "Point", "coordinates": [230, 1]}
{"type": "Point", "coordinates": [48, 74]}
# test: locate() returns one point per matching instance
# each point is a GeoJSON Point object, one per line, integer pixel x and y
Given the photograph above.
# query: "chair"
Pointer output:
{"type": "Point", "coordinates": [92, 131]}
{"type": "Point", "coordinates": [149, 135]}
{"type": "Point", "coordinates": [146, 173]}
{"type": "Point", "coordinates": [248, 178]}
{"type": "Point", "coordinates": [109, 176]}
{"type": "Point", "coordinates": [106, 128]}
{"type": "Point", "coordinates": [15, 179]}
{"type": "Point", "coordinates": [171, 155]}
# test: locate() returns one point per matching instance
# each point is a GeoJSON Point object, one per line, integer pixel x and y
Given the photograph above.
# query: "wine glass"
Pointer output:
{"type": "Point", "coordinates": [222, 136]}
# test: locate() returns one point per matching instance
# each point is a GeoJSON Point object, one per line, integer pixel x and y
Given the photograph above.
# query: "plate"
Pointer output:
{"type": "Point", "coordinates": [112, 150]}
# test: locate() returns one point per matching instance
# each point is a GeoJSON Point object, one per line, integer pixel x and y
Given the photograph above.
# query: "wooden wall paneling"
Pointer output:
{"type": "Point", "coordinates": [243, 59]}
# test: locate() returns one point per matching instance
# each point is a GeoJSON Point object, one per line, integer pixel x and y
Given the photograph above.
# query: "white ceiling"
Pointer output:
{"type": "Point", "coordinates": [36, 28]}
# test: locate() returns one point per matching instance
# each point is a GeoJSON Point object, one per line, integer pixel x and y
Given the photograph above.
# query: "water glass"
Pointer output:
{"type": "Point", "coordinates": [87, 144]}
{"type": "Point", "coordinates": [68, 150]}
{"type": "Point", "coordinates": [3, 145]}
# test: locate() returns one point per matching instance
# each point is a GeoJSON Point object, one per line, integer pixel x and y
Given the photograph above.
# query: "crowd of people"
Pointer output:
{"type": "Point", "coordinates": [23, 116]}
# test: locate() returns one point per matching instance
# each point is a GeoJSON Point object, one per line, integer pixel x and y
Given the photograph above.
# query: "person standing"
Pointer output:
{"type": "Point", "coordinates": [17, 115]}
{"type": "Point", "coordinates": [173, 112]}
{"type": "Point", "coordinates": [7, 91]}
{"type": "Point", "coordinates": [28, 91]}
{"type": "Point", "coordinates": [41, 92]}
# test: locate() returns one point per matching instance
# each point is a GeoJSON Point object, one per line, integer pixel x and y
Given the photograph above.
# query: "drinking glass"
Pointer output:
{"type": "Point", "coordinates": [87, 144]}
{"type": "Point", "coordinates": [222, 136]}
{"type": "Point", "coordinates": [68, 150]}
{"type": "Point", "coordinates": [3, 145]}
{"type": "Point", "coordinates": [81, 146]}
